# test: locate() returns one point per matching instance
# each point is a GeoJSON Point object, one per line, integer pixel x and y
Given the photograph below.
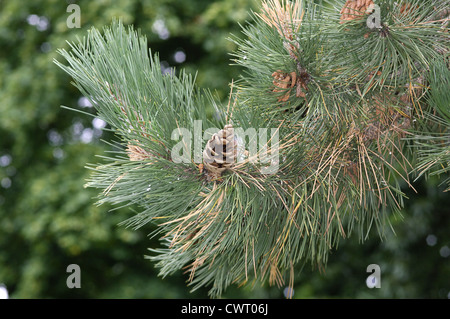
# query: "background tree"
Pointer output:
{"type": "Point", "coordinates": [48, 220]}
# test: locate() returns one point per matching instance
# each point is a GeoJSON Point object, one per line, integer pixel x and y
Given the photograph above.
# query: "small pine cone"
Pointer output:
{"type": "Point", "coordinates": [355, 9]}
{"type": "Point", "coordinates": [137, 153]}
{"type": "Point", "coordinates": [220, 152]}
{"type": "Point", "coordinates": [284, 82]}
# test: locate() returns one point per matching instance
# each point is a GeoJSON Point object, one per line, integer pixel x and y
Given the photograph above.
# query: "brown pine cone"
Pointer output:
{"type": "Point", "coordinates": [220, 152]}
{"type": "Point", "coordinates": [285, 82]}
{"type": "Point", "coordinates": [355, 9]}
{"type": "Point", "coordinates": [282, 82]}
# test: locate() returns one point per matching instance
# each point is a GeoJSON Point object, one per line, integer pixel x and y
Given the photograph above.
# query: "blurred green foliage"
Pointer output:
{"type": "Point", "coordinates": [48, 220]}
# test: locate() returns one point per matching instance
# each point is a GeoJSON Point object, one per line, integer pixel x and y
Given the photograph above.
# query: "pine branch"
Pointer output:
{"type": "Point", "coordinates": [319, 130]}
